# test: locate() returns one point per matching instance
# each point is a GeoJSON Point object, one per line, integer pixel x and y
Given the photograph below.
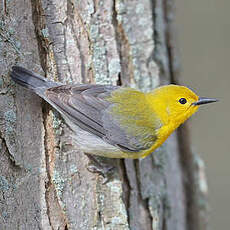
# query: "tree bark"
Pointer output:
{"type": "Point", "coordinates": [44, 181]}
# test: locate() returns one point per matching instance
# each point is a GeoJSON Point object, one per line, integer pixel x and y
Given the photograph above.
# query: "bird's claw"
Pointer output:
{"type": "Point", "coordinates": [104, 170]}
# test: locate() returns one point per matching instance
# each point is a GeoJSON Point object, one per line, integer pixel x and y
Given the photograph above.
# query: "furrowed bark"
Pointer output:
{"type": "Point", "coordinates": [44, 181]}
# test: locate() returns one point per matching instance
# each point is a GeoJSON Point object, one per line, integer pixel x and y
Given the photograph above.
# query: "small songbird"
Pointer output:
{"type": "Point", "coordinates": [113, 121]}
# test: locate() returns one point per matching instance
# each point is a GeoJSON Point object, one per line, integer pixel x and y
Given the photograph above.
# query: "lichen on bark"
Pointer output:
{"type": "Point", "coordinates": [44, 181]}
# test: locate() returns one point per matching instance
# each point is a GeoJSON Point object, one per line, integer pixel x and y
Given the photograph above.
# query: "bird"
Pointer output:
{"type": "Point", "coordinates": [115, 121]}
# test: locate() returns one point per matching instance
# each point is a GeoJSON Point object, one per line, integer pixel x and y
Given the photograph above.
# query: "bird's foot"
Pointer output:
{"type": "Point", "coordinates": [96, 166]}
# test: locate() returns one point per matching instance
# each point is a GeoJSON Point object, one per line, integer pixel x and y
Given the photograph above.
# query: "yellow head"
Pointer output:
{"type": "Point", "coordinates": [174, 104]}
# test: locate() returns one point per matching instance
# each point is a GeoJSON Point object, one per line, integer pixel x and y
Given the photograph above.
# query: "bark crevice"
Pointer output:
{"type": "Point", "coordinates": [104, 42]}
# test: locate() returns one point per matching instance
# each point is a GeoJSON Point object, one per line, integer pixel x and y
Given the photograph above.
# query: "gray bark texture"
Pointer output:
{"type": "Point", "coordinates": [44, 181]}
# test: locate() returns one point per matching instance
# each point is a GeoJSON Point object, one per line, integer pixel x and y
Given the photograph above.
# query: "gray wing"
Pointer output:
{"type": "Point", "coordinates": [87, 106]}
{"type": "Point", "coordinates": [82, 104]}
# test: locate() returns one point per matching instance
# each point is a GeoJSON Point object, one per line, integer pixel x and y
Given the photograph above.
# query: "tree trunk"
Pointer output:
{"type": "Point", "coordinates": [44, 181]}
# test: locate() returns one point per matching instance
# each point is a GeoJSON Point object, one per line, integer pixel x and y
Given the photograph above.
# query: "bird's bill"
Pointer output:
{"type": "Point", "coordinates": [204, 100]}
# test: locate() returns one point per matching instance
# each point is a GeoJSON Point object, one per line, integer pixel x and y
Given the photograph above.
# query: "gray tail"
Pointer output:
{"type": "Point", "coordinates": [30, 80]}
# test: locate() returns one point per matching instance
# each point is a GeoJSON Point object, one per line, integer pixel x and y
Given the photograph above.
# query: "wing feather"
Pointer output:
{"type": "Point", "coordinates": [112, 113]}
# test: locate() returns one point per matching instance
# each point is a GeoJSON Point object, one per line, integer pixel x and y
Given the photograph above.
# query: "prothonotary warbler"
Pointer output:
{"type": "Point", "coordinates": [113, 121]}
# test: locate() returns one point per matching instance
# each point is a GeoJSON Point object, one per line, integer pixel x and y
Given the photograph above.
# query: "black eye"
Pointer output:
{"type": "Point", "coordinates": [183, 101]}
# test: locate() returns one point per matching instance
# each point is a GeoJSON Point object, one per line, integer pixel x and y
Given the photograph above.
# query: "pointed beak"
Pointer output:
{"type": "Point", "coordinates": [204, 100]}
